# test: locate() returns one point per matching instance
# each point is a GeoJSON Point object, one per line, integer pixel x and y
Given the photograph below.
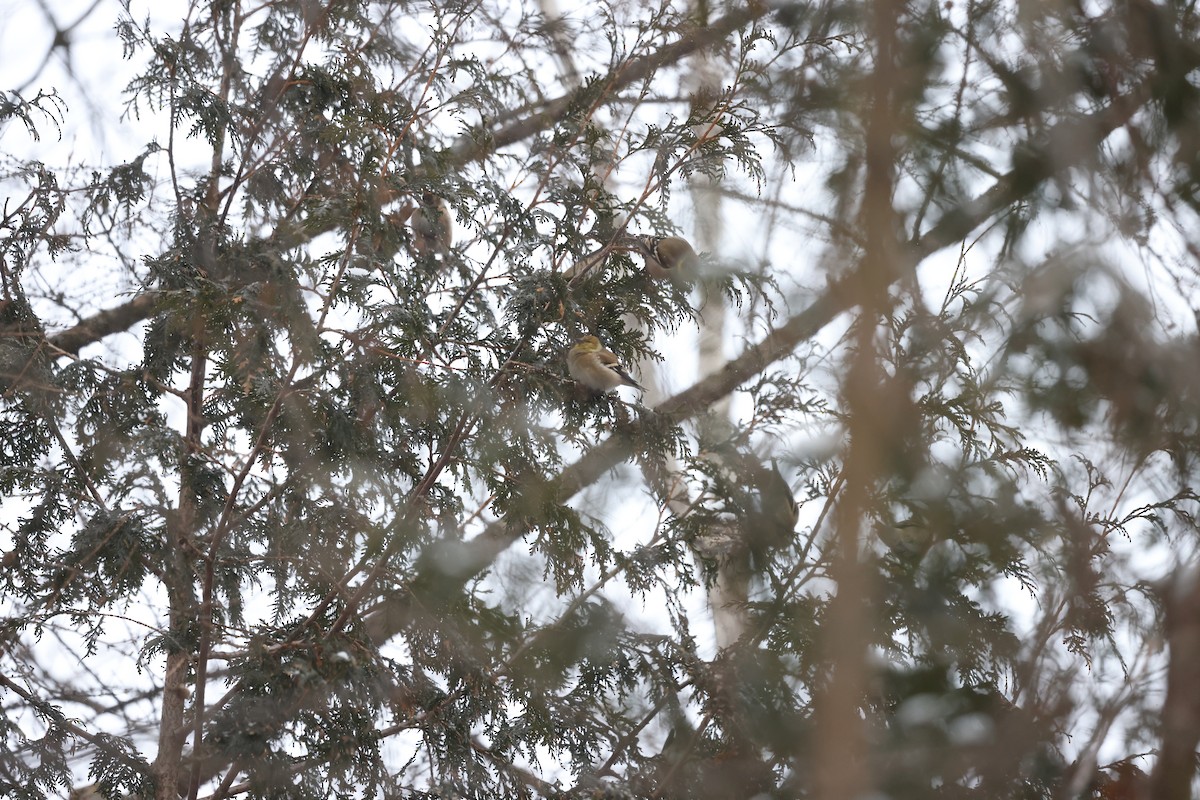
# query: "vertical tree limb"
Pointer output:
{"type": "Point", "coordinates": [841, 746]}
{"type": "Point", "coordinates": [1175, 770]}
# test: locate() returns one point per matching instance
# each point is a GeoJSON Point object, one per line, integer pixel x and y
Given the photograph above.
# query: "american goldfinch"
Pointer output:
{"type": "Point", "coordinates": [668, 258]}
{"type": "Point", "coordinates": [596, 368]}
{"type": "Point", "coordinates": [431, 228]}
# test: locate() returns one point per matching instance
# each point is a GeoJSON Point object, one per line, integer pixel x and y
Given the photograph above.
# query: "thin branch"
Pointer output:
{"type": "Point", "coordinates": [99, 741]}
{"type": "Point", "coordinates": [105, 323]}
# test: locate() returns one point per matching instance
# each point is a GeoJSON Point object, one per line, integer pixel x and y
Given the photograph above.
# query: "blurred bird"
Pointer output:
{"type": "Point", "coordinates": [431, 228]}
{"type": "Point", "coordinates": [596, 368]}
{"type": "Point", "coordinates": [668, 257]}
{"type": "Point", "coordinates": [776, 501]}
{"type": "Point", "coordinates": [771, 514]}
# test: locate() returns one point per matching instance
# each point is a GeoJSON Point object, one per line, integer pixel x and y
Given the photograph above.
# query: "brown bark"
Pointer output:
{"type": "Point", "coordinates": [1176, 767]}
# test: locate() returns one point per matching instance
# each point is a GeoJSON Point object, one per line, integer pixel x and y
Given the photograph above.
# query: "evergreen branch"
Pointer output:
{"type": "Point", "coordinates": [102, 324]}
{"type": "Point", "coordinates": [100, 741]}
{"type": "Point", "coordinates": [1067, 145]}
{"type": "Point", "coordinates": [471, 147]}
{"type": "Point", "coordinates": [505, 764]}
{"type": "Point", "coordinates": [474, 146]}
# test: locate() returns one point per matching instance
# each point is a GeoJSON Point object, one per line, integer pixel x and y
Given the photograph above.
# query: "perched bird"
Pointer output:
{"type": "Point", "coordinates": [668, 258]}
{"type": "Point", "coordinates": [772, 512]}
{"type": "Point", "coordinates": [765, 513]}
{"type": "Point", "coordinates": [596, 368]}
{"type": "Point", "coordinates": [431, 226]}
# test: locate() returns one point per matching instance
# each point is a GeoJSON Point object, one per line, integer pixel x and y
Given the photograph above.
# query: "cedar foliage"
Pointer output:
{"type": "Point", "coordinates": [300, 502]}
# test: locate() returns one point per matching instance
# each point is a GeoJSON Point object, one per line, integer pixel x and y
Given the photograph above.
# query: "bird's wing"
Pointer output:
{"type": "Point", "coordinates": [610, 362]}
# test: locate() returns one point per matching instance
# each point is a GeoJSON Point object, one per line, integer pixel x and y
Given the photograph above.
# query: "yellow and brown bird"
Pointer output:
{"type": "Point", "coordinates": [596, 368]}
{"type": "Point", "coordinates": [668, 258]}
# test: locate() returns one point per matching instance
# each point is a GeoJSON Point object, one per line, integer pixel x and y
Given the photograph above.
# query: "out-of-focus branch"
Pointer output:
{"type": "Point", "coordinates": [875, 419]}
{"type": "Point", "coordinates": [1176, 766]}
{"type": "Point", "coordinates": [730, 592]}
{"type": "Point", "coordinates": [98, 741]}
{"type": "Point", "coordinates": [107, 322]}
{"type": "Point", "coordinates": [555, 29]}
{"type": "Point", "coordinates": [61, 41]}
